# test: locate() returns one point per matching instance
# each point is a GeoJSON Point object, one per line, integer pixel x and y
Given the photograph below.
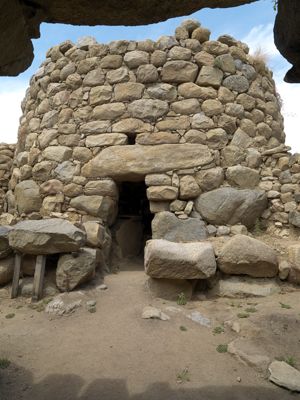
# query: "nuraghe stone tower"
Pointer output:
{"type": "Point", "coordinates": [180, 139]}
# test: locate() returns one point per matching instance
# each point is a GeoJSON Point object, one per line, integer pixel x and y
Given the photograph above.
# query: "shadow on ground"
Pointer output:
{"type": "Point", "coordinates": [17, 384]}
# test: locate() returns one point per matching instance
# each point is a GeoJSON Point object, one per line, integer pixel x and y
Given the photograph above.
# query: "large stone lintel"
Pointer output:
{"type": "Point", "coordinates": [132, 163]}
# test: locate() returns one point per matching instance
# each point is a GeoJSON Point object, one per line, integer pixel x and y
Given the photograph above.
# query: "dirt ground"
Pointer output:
{"type": "Point", "coordinates": [114, 354]}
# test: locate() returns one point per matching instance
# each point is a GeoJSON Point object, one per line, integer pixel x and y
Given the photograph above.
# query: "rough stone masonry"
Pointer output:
{"type": "Point", "coordinates": [197, 120]}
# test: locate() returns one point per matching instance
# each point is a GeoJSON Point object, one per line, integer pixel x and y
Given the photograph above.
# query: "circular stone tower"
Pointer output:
{"type": "Point", "coordinates": [196, 121]}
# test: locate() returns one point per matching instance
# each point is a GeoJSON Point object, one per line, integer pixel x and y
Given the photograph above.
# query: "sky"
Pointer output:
{"type": "Point", "coordinates": [252, 23]}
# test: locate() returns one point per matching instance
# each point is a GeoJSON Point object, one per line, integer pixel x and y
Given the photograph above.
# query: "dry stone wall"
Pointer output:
{"type": "Point", "coordinates": [6, 162]}
{"type": "Point", "coordinates": [197, 120]}
{"type": "Point", "coordinates": [187, 114]}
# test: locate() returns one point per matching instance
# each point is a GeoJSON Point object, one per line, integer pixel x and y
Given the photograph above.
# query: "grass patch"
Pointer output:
{"type": "Point", "coordinates": [218, 330]}
{"type": "Point", "coordinates": [4, 363]}
{"type": "Point", "coordinates": [222, 348]}
{"type": "Point", "coordinates": [41, 305]}
{"type": "Point", "coordinates": [10, 315]}
{"type": "Point", "coordinates": [183, 376]}
{"type": "Point", "coordinates": [286, 306]}
{"type": "Point", "coordinates": [183, 328]}
{"type": "Point", "coordinates": [181, 299]}
{"type": "Point", "coordinates": [243, 315]}
{"type": "Point", "coordinates": [288, 359]}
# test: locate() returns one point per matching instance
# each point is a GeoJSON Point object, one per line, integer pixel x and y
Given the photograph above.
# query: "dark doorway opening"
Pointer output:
{"type": "Point", "coordinates": [133, 225]}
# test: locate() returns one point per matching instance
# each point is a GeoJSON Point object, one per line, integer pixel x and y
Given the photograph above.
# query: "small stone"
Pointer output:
{"type": "Point", "coordinates": [223, 230]}
{"type": "Point", "coordinates": [154, 313]}
{"type": "Point", "coordinates": [102, 287]}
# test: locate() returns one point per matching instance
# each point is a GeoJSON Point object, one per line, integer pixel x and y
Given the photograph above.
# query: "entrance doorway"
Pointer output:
{"type": "Point", "coordinates": [133, 225]}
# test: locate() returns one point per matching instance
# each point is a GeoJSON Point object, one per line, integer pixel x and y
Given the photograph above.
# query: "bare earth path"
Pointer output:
{"type": "Point", "coordinates": [113, 354]}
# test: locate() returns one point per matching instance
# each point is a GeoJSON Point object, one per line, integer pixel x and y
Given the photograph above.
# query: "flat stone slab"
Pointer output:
{"type": "Point", "coordinates": [134, 162]}
{"type": "Point", "coordinates": [46, 236]}
{"type": "Point", "coordinates": [284, 375]}
{"type": "Point", "coordinates": [164, 259]}
{"type": "Point", "coordinates": [239, 287]}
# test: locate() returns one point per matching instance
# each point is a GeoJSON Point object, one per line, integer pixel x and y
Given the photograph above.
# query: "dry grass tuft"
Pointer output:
{"type": "Point", "coordinates": [259, 60]}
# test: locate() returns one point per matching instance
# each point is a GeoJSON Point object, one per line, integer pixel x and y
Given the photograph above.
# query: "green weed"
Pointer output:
{"type": "Point", "coordinates": [181, 299]}
{"type": "Point", "coordinates": [183, 376]}
{"type": "Point", "coordinates": [222, 348]}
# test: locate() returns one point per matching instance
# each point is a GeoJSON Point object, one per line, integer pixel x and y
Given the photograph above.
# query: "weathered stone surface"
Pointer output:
{"type": "Point", "coordinates": [210, 179]}
{"type": "Point", "coordinates": [294, 218]}
{"type": "Point", "coordinates": [75, 269]}
{"type": "Point", "coordinates": [179, 71]}
{"type": "Point", "coordinates": [109, 139]}
{"type": "Point", "coordinates": [162, 91]}
{"type": "Point", "coordinates": [180, 53]}
{"type": "Point", "coordinates": [148, 109]}
{"type": "Point", "coordinates": [28, 199]}
{"type": "Point", "coordinates": [164, 259]}
{"type": "Point", "coordinates": [165, 225]}
{"type": "Point", "coordinates": [5, 249]}
{"type": "Point", "coordinates": [210, 76]}
{"type": "Point", "coordinates": [57, 153]}
{"type": "Point", "coordinates": [133, 162]}
{"type": "Point", "coordinates": [192, 90]}
{"type": "Point", "coordinates": [128, 91]}
{"type": "Point", "coordinates": [188, 106]}
{"type": "Point", "coordinates": [97, 235]}
{"type": "Point", "coordinates": [226, 63]}
{"type": "Point", "coordinates": [147, 74]}
{"type": "Point", "coordinates": [158, 180]}
{"type": "Point", "coordinates": [156, 138]}
{"type": "Point", "coordinates": [201, 121]}
{"type": "Point", "coordinates": [237, 83]}
{"type": "Point", "coordinates": [294, 259]}
{"type": "Point", "coordinates": [201, 34]}
{"type": "Point", "coordinates": [162, 193]}
{"type": "Point", "coordinates": [169, 289]}
{"type": "Point", "coordinates": [118, 75]}
{"type": "Point", "coordinates": [244, 286]}
{"type": "Point", "coordinates": [100, 95]}
{"type": "Point", "coordinates": [243, 255]}
{"type": "Point", "coordinates": [216, 138]}
{"type": "Point", "coordinates": [150, 312]}
{"type": "Point", "coordinates": [94, 78]}
{"type": "Point", "coordinates": [66, 170]}
{"type": "Point", "coordinates": [188, 188]}
{"type": "Point", "coordinates": [109, 111]}
{"type": "Point", "coordinates": [212, 107]}
{"type": "Point", "coordinates": [231, 206]}
{"type": "Point", "coordinates": [242, 177]}
{"type": "Point", "coordinates": [111, 61]}
{"type": "Point", "coordinates": [282, 374]}
{"type": "Point", "coordinates": [48, 236]}
{"type": "Point", "coordinates": [215, 47]}
{"type": "Point", "coordinates": [6, 270]}
{"type": "Point", "coordinates": [103, 187]}
{"type": "Point", "coordinates": [99, 206]}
